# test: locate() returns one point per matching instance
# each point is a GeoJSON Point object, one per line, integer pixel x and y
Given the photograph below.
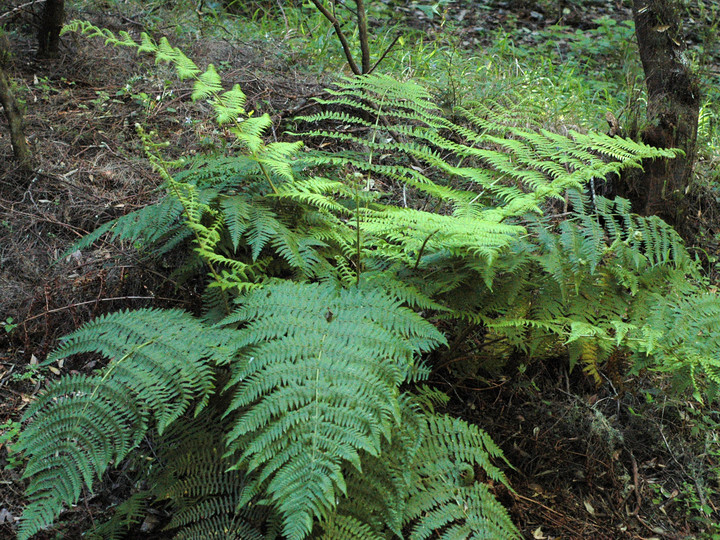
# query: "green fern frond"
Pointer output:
{"type": "Point", "coordinates": [204, 496]}
{"type": "Point", "coordinates": [207, 84]}
{"type": "Point", "coordinates": [162, 362]}
{"type": "Point", "coordinates": [446, 493]}
{"type": "Point", "coordinates": [686, 333]}
{"type": "Point", "coordinates": [229, 105]}
{"type": "Point", "coordinates": [236, 212]}
{"type": "Point", "coordinates": [378, 492]}
{"type": "Point", "coordinates": [129, 512]}
{"type": "Point", "coordinates": [151, 225]}
{"type": "Point", "coordinates": [348, 528]}
{"type": "Point", "coordinates": [320, 373]}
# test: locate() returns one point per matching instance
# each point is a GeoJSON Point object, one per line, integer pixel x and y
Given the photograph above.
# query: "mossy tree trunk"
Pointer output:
{"type": "Point", "coordinates": [12, 111]}
{"type": "Point", "coordinates": [672, 112]}
{"type": "Point", "coordinates": [50, 26]}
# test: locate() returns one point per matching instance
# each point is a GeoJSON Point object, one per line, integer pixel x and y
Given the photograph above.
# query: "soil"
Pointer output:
{"type": "Point", "coordinates": [588, 462]}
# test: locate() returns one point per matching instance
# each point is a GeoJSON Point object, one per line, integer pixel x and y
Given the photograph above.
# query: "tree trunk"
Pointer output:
{"type": "Point", "coordinates": [12, 112]}
{"type": "Point", "coordinates": [50, 26]}
{"type": "Point", "coordinates": [672, 112]}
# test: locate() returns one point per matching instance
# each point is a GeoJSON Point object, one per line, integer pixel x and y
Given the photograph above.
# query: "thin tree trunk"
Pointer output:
{"type": "Point", "coordinates": [12, 112]}
{"type": "Point", "coordinates": [672, 112]}
{"type": "Point", "coordinates": [363, 35]}
{"type": "Point", "coordinates": [50, 26]}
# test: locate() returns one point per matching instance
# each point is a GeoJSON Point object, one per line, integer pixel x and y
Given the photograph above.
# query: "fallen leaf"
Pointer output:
{"type": "Point", "coordinates": [6, 516]}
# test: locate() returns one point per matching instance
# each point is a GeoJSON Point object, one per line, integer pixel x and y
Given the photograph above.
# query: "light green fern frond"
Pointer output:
{"type": "Point", "coordinates": [680, 335]}
{"type": "Point", "coordinates": [518, 167]}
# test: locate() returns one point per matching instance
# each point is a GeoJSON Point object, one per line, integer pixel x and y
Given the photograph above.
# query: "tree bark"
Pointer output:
{"type": "Point", "coordinates": [363, 35]}
{"type": "Point", "coordinates": [672, 112]}
{"type": "Point", "coordinates": [12, 112]}
{"type": "Point", "coordinates": [50, 26]}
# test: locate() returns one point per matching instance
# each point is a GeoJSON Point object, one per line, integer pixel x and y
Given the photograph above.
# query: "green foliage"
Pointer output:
{"type": "Point", "coordinates": [296, 373]}
{"type": "Point", "coordinates": [82, 424]}
{"type": "Point", "coordinates": [315, 376]}
{"type": "Point", "coordinates": [429, 478]}
{"type": "Point", "coordinates": [483, 175]}
{"type": "Point", "coordinates": [445, 493]}
{"type": "Point", "coordinates": [316, 382]}
{"type": "Point", "coordinates": [192, 475]}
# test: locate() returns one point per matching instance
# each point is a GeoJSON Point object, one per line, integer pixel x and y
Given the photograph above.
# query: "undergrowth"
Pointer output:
{"type": "Point", "coordinates": [293, 405]}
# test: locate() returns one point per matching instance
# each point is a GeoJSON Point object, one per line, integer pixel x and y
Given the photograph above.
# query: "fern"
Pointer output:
{"type": "Point", "coordinates": [498, 157]}
{"type": "Point", "coordinates": [298, 417]}
{"type": "Point", "coordinates": [191, 474]}
{"type": "Point", "coordinates": [446, 494]}
{"type": "Point", "coordinates": [316, 384]}
{"type": "Point", "coordinates": [129, 512]}
{"type": "Point", "coordinates": [425, 482]}
{"type": "Point", "coordinates": [311, 261]}
{"type": "Point", "coordinates": [80, 425]}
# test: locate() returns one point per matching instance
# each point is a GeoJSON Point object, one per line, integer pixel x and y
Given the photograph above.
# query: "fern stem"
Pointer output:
{"type": "Point", "coordinates": [173, 186]}
{"type": "Point", "coordinates": [317, 398]}
{"type": "Point", "coordinates": [422, 248]}
{"type": "Point", "coordinates": [357, 235]}
{"type": "Point", "coordinates": [267, 177]}
{"type": "Point", "coordinates": [107, 373]}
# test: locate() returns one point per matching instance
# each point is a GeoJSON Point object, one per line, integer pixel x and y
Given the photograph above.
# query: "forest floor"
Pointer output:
{"type": "Point", "coordinates": [588, 462]}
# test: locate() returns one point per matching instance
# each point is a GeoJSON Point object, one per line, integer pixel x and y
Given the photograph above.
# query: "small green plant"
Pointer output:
{"type": "Point", "coordinates": [45, 85]}
{"type": "Point", "coordinates": [32, 372]}
{"type": "Point", "coordinates": [9, 432]}
{"type": "Point", "coordinates": [9, 325]}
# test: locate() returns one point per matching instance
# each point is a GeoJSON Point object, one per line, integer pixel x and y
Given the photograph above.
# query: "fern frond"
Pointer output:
{"type": "Point", "coordinates": [204, 496]}
{"type": "Point", "coordinates": [348, 528]}
{"type": "Point", "coordinates": [320, 376]}
{"type": "Point", "coordinates": [377, 493]}
{"type": "Point", "coordinates": [446, 495]}
{"type": "Point", "coordinates": [162, 362]}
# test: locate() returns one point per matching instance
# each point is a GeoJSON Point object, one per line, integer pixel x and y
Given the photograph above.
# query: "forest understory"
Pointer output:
{"type": "Point", "coordinates": [622, 457]}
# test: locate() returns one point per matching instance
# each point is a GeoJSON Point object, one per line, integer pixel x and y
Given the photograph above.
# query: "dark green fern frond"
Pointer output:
{"type": "Point", "coordinates": [151, 225]}
{"type": "Point", "coordinates": [316, 385]}
{"type": "Point", "coordinates": [161, 363]}
{"type": "Point", "coordinates": [448, 493]}
{"type": "Point", "coordinates": [191, 473]}
{"type": "Point", "coordinates": [348, 528]}
{"type": "Point", "coordinates": [77, 432]}
{"type": "Point", "coordinates": [464, 513]}
{"type": "Point", "coordinates": [297, 248]}
{"type": "Point", "coordinates": [128, 513]}
{"type": "Point", "coordinates": [377, 493]}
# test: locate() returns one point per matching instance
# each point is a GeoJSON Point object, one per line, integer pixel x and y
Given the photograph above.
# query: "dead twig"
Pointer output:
{"type": "Point", "coordinates": [20, 7]}
{"type": "Point", "coordinates": [115, 298]}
